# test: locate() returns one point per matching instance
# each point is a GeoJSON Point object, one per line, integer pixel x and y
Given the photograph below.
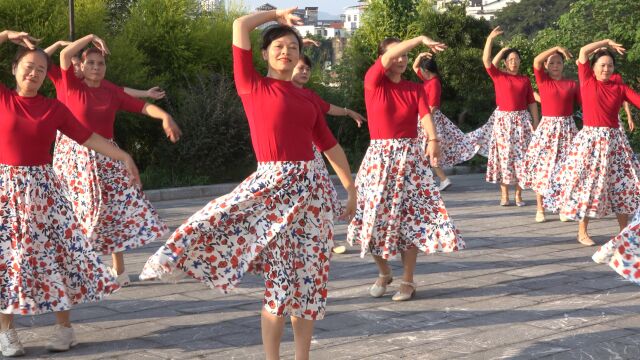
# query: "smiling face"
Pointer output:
{"type": "Point", "coordinates": [512, 62]}
{"type": "Point", "coordinates": [93, 67]}
{"type": "Point", "coordinates": [555, 65]}
{"type": "Point", "coordinates": [30, 72]}
{"type": "Point", "coordinates": [301, 73]}
{"type": "Point", "coordinates": [282, 54]}
{"type": "Point", "coordinates": [603, 68]}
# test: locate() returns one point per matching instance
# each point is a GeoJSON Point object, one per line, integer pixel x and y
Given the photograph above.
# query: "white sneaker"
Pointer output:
{"type": "Point", "coordinates": [445, 184]}
{"type": "Point", "coordinates": [122, 279]}
{"type": "Point", "coordinates": [10, 343]}
{"type": "Point", "coordinates": [62, 339]}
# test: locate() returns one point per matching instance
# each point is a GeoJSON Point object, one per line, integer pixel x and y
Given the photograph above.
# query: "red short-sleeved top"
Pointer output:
{"type": "Point", "coordinates": [513, 92]}
{"type": "Point", "coordinates": [392, 108]}
{"type": "Point", "coordinates": [323, 105]}
{"type": "Point", "coordinates": [433, 89]}
{"type": "Point", "coordinates": [96, 107]}
{"type": "Point", "coordinates": [601, 101]}
{"type": "Point", "coordinates": [28, 127]}
{"type": "Point", "coordinates": [284, 120]}
{"type": "Point", "coordinates": [556, 96]}
{"type": "Point", "coordinates": [55, 75]}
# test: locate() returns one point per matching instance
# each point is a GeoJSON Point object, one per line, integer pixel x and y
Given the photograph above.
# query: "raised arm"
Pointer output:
{"type": "Point", "coordinates": [498, 57]}
{"type": "Point", "coordinates": [416, 62]}
{"type": "Point", "coordinates": [155, 93]}
{"type": "Point", "coordinates": [243, 26]}
{"type": "Point", "coordinates": [170, 127]}
{"type": "Point", "coordinates": [586, 50]}
{"type": "Point", "coordinates": [406, 46]}
{"type": "Point", "coordinates": [19, 38]}
{"type": "Point", "coordinates": [486, 54]}
{"type": "Point", "coordinates": [55, 46]}
{"type": "Point", "coordinates": [339, 163]}
{"type": "Point", "coordinates": [77, 46]}
{"type": "Point", "coordinates": [538, 62]}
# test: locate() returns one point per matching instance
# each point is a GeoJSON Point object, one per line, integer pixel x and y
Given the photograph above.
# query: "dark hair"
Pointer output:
{"type": "Point", "coordinates": [22, 52]}
{"type": "Point", "coordinates": [509, 52]}
{"type": "Point", "coordinates": [382, 47]}
{"type": "Point", "coordinates": [557, 53]}
{"type": "Point", "coordinates": [89, 51]}
{"type": "Point", "coordinates": [429, 65]}
{"type": "Point", "coordinates": [600, 53]}
{"type": "Point", "coordinates": [275, 32]}
{"type": "Point", "coordinates": [306, 60]}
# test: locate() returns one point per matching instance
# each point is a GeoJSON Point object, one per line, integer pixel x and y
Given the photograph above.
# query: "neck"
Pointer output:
{"type": "Point", "coordinates": [279, 75]}
{"type": "Point", "coordinates": [556, 77]}
{"type": "Point", "coordinates": [298, 85]}
{"type": "Point", "coordinates": [511, 72]}
{"type": "Point", "coordinates": [26, 93]}
{"type": "Point", "coordinates": [394, 77]}
{"type": "Point", "coordinates": [92, 83]}
{"type": "Point", "coordinates": [429, 76]}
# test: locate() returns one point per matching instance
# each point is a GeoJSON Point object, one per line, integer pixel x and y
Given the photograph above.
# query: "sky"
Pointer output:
{"type": "Point", "coordinates": [334, 7]}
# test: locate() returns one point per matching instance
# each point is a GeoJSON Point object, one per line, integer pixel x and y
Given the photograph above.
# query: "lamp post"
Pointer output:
{"type": "Point", "coordinates": [71, 22]}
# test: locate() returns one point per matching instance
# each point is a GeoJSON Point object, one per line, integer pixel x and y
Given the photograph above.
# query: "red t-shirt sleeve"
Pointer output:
{"type": "Point", "coordinates": [585, 73]}
{"type": "Point", "coordinates": [530, 98]}
{"type": "Point", "coordinates": [541, 76]}
{"type": "Point", "coordinates": [423, 102]}
{"type": "Point", "coordinates": [70, 126]}
{"type": "Point", "coordinates": [419, 73]}
{"type": "Point", "coordinates": [324, 106]}
{"type": "Point", "coordinates": [493, 71]}
{"type": "Point", "coordinates": [578, 98]}
{"type": "Point", "coordinates": [434, 91]}
{"type": "Point", "coordinates": [631, 96]}
{"type": "Point", "coordinates": [375, 75]}
{"type": "Point", "coordinates": [244, 73]}
{"type": "Point", "coordinates": [54, 73]}
{"type": "Point", "coordinates": [323, 138]}
{"type": "Point", "coordinates": [128, 102]}
{"type": "Point", "coordinates": [69, 79]}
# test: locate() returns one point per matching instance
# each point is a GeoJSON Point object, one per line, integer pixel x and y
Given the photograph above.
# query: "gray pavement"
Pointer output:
{"type": "Point", "coordinates": [521, 290]}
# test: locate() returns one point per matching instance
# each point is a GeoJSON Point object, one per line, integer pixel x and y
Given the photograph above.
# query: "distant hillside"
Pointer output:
{"type": "Point", "coordinates": [326, 16]}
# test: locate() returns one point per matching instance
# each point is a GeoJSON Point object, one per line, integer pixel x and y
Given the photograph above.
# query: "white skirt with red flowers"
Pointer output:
{"type": "Point", "coordinates": [46, 262]}
{"type": "Point", "coordinates": [115, 214]}
{"type": "Point", "coordinates": [399, 205]}
{"type": "Point", "coordinates": [599, 176]}
{"type": "Point", "coordinates": [278, 222]}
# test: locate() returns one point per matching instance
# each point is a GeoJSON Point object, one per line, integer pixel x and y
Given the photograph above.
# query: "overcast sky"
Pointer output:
{"type": "Point", "coordinates": [334, 7]}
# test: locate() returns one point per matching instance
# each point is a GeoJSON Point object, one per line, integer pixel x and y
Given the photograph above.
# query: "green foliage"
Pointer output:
{"type": "Point", "coordinates": [527, 17]}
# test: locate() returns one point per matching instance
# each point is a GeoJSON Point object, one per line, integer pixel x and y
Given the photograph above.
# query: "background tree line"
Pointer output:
{"type": "Point", "coordinates": [187, 51]}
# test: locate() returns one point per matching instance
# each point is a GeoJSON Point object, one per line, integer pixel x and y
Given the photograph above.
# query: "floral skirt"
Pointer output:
{"type": "Point", "coordinates": [455, 147]}
{"type": "Point", "coordinates": [624, 251]}
{"type": "Point", "coordinates": [599, 176]}
{"type": "Point", "coordinates": [115, 214]}
{"type": "Point", "coordinates": [549, 145]}
{"type": "Point", "coordinates": [46, 262]}
{"type": "Point", "coordinates": [399, 205]}
{"type": "Point", "coordinates": [278, 222]}
{"type": "Point", "coordinates": [509, 141]}
{"type": "Point", "coordinates": [480, 138]}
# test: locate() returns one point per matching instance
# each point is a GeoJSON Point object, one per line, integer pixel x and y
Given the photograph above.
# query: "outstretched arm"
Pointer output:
{"type": "Point", "coordinates": [55, 46]}
{"type": "Point", "coordinates": [170, 127]}
{"type": "Point", "coordinates": [343, 111]}
{"type": "Point", "coordinates": [155, 93]}
{"type": "Point", "coordinates": [406, 46]}
{"type": "Point", "coordinates": [539, 60]}
{"type": "Point", "coordinates": [586, 50]}
{"type": "Point", "coordinates": [77, 46]}
{"type": "Point", "coordinates": [243, 26]}
{"type": "Point", "coordinates": [104, 147]}
{"type": "Point", "coordinates": [339, 163]}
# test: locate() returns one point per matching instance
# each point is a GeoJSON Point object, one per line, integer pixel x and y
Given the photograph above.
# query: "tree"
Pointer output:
{"type": "Point", "coordinates": [527, 17]}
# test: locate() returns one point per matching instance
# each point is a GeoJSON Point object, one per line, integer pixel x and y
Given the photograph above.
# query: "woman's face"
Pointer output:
{"type": "Point", "coordinates": [283, 53]}
{"type": "Point", "coordinates": [603, 68]}
{"type": "Point", "coordinates": [555, 65]}
{"type": "Point", "coordinates": [301, 73]}
{"type": "Point", "coordinates": [93, 67]}
{"type": "Point", "coordinates": [30, 72]}
{"type": "Point", "coordinates": [399, 64]}
{"type": "Point", "coordinates": [512, 62]}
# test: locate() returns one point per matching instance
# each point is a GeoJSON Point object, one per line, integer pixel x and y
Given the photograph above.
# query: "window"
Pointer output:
{"type": "Point", "coordinates": [355, 18]}
{"type": "Point", "coordinates": [349, 18]}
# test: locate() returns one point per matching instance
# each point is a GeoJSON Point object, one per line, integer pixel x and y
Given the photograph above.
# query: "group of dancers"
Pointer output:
{"type": "Point", "coordinates": [57, 213]}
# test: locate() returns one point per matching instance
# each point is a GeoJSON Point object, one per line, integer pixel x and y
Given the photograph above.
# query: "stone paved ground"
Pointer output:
{"type": "Point", "coordinates": [520, 291]}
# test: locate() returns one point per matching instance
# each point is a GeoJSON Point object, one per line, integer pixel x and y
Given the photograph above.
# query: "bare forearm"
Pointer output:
{"type": "Point", "coordinates": [535, 116]}
{"type": "Point", "coordinates": [104, 147]}
{"type": "Point", "coordinates": [400, 49]}
{"type": "Point", "coordinates": [155, 112]}
{"type": "Point", "coordinates": [337, 110]}
{"type": "Point", "coordinates": [243, 26]}
{"type": "Point", "coordinates": [429, 127]}
{"type": "Point", "coordinates": [539, 60]}
{"type": "Point", "coordinates": [338, 160]}
{"type": "Point", "coordinates": [486, 53]}
{"type": "Point", "coordinates": [586, 50]}
{"type": "Point", "coordinates": [74, 48]}
{"type": "Point", "coordinates": [136, 93]}
{"type": "Point", "coordinates": [53, 48]}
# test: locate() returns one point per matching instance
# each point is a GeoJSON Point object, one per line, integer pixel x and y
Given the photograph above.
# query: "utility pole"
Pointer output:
{"type": "Point", "coordinates": [72, 27]}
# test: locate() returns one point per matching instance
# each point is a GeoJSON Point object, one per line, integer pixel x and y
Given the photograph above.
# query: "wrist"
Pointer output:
{"type": "Point", "coordinates": [434, 139]}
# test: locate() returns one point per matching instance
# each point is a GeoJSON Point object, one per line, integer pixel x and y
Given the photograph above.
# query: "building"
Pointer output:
{"type": "Point", "coordinates": [485, 9]}
{"type": "Point", "coordinates": [352, 16]}
{"type": "Point", "coordinates": [210, 5]}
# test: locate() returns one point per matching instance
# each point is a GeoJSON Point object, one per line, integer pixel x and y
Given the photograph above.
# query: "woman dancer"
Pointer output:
{"type": "Point", "coordinates": [552, 139]}
{"type": "Point", "coordinates": [55, 75]}
{"type": "Point", "coordinates": [116, 215]}
{"type": "Point", "coordinates": [600, 174]}
{"type": "Point", "coordinates": [512, 125]}
{"type": "Point", "coordinates": [47, 264]}
{"type": "Point", "coordinates": [399, 206]}
{"type": "Point", "coordinates": [454, 144]}
{"type": "Point", "coordinates": [279, 221]}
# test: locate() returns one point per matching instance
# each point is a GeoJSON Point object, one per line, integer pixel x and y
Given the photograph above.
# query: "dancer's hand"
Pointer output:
{"type": "Point", "coordinates": [286, 17]}
{"type": "Point", "coordinates": [632, 125]}
{"type": "Point", "coordinates": [132, 169]}
{"type": "Point", "coordinates": [433, 152]}
{"type": "Point", "coordinates": [616, 47]}
{"type": "Point", "coordinates": [495, 33]}
{"type": "Point", "coordinates": [359, 119]}
{"type": "Point", "coordinates": [564, 52]}
{"type": "Point", "coordinates": [435, 46]}
{"type": "Point", "coordinates": [350, 208]}
{"type": "Point", "coordinates": [22, 39]}
{"type": "Point", "coordinates": [100, 45]}
{"type": "Point", "coordinates": [310, 42]}
{"type": "Point", "coordinates": [171, 129]}
{"type": "Point", "coordinates": [155, 93]}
